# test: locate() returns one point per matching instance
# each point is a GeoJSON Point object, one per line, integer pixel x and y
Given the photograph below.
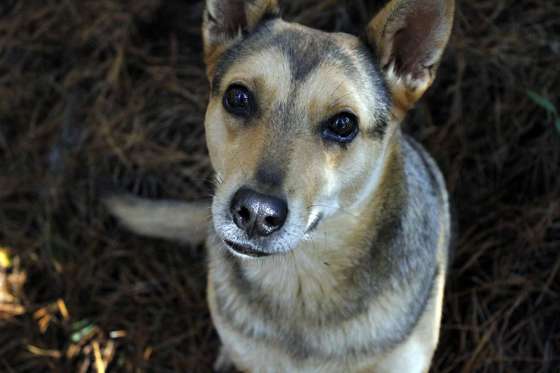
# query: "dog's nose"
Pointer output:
{"type": "Point", "coordinates": [256, 213]}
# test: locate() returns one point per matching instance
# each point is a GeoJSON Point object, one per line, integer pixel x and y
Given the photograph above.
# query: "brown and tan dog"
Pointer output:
{"type": "Point", "coordinates": [329, 244]}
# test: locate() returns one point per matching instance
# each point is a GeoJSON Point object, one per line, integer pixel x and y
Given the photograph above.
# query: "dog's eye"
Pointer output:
{"type": "Point", "coordinates": [342, 128]}
{"type": "Point", "coordinates": [238, 101]}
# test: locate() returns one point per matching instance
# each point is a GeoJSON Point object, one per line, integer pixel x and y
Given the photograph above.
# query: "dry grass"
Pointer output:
{"type": "Point", "coordinates": [114, 92]}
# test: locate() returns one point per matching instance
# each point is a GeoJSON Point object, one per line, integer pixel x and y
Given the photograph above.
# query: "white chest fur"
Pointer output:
{"type": "Point", "coordinates": [289, 330]}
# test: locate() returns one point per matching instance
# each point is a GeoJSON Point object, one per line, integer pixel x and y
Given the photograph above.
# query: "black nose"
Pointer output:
{"type": "Point", "coordinates": [256, 213]}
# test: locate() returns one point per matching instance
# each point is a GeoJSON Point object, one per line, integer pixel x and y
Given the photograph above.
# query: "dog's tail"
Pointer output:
{"type": "Point", "coordinates": [174, 220]}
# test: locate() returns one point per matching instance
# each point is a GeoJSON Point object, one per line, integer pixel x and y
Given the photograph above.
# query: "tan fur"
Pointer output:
{"type": "Point", "coordinates": [245, 144]}
{"type": "Point", "coordinates": [244, 150]}
{"type": "Point", "coordinates": [304, 282]}
{"type": "Point", "coordinates": [286, 312]}
{"type": "Point", "coordinates": [308, 296]}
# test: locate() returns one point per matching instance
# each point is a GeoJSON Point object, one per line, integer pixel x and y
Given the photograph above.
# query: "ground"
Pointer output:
{"type": "Point", "coordinates": [112, 93]}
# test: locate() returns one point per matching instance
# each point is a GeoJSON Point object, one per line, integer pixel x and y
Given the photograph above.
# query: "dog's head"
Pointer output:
{"type": "Point", "coordinates": [299, 120]}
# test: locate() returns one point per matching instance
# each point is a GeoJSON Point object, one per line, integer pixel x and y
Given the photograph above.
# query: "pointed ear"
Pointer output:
{"type": "Point", "coordinates": [409, 37]}
{"type": "Point", "coordinates": [227, 21]}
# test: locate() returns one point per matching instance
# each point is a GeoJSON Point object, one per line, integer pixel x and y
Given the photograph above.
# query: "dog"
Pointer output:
{"type": "Point", "coordinates": [330, 229]}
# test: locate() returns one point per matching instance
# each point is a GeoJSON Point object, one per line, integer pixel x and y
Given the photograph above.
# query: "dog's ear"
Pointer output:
{"type": "Point", "coordinates": [409, 37]}
{"type": "Point", "coordinates": [226, 21]}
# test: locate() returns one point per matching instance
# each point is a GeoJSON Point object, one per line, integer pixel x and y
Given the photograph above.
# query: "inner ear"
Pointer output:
{"type": "Point", "coordinates": [410, 37]}
{"type": "Point", "coordinates": [225, 18]}
{"type": "Point", "coordinates": [418, 46]}
{"type": "Point", "coordinates": [227, 21]}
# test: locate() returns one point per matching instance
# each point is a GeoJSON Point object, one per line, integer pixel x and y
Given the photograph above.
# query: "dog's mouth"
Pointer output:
{"type": "Point", "coordinates": [245, 250]}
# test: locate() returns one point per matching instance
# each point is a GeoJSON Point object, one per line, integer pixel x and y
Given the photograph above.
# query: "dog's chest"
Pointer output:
{"type": "Point", "coordinates": [305, 315]}
{"type": "Point", "coordinates": [278, 334]}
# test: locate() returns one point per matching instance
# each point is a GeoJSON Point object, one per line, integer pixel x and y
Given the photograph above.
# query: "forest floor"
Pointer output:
{"type": "Point", "coordinates": [115, 91]}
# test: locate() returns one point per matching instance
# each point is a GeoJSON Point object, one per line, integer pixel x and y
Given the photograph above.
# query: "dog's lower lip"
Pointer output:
{"type": "Point", "coordinates": [245, 250]}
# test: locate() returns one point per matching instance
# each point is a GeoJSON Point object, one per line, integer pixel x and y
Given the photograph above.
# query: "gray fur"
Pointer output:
{"type": "Point", "coordinates": [401, 258]}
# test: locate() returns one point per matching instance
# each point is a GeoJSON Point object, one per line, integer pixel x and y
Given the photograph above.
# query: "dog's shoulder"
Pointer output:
{"type": "Point", "coordinates": [421, 170]}
{"type": "Point", "coordinates": [427, 197]}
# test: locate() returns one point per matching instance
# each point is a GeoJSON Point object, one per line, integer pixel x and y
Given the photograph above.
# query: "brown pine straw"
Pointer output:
{"type": "Point", "coordinates": [107, 92]}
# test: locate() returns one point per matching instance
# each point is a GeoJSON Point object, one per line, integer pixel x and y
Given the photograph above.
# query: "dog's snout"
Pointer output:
{"type": "Point", "coordinates": [258, 214]}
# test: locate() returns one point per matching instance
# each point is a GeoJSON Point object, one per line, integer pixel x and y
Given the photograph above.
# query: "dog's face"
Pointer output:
{"type": "Point", "coordinates": [298, 115]}
{"type": "Point", "coordinates": [297, 125]}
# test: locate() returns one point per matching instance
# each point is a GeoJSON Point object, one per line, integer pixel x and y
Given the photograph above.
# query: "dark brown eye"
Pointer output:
{"type": "Point", "coordinates": [238, 101]}
{"type": "Point", "coordinates": [341, 128]}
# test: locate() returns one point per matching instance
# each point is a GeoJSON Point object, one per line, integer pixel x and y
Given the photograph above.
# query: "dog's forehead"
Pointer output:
{"type": "Point", "coordinates": [328, 72]}
{"type": "Point", "coordinates": [302, 49]}
{"type": "Point", "coordinates": [306, 49]}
